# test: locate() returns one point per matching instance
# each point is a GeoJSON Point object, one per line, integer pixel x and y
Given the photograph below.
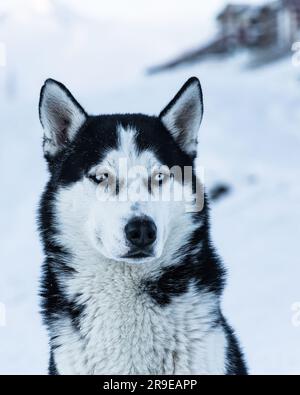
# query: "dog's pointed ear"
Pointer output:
{"type": "Point", "coordinates": [61, 117]}
{"type": "Point", "coordinates": [183, 115]}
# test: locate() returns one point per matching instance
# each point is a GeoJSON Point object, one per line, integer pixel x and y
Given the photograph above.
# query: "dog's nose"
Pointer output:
{"type": "Point", "coordinates": [141, 232]}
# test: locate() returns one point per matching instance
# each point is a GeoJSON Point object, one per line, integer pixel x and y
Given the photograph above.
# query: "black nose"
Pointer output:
{"type": "Point", "coordinates": [141, 232]}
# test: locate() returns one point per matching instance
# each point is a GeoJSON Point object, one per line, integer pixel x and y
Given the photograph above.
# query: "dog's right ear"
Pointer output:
{"type": "Point", "coordinates": [183, 116]}
{"type": "Point", "coordinates": [61, 117]}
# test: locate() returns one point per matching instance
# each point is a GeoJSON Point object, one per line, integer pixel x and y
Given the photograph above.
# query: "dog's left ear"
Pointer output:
{"type": "Point", "coordinates": [61, 117]}
{"type": "Point", "coordinates": [183, 115]}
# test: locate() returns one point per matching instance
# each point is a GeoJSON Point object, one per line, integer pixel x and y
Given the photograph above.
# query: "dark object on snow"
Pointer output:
{"type": "Point", "coordinates": [219, 191]}
{"type": "Point", "coordinates": [217, 47]}
{"type": "Point", "coordinates": [267, 31]}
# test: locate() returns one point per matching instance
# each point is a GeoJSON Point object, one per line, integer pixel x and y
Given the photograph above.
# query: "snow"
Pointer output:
{"type": "Point", "coordinates": [249, 139]}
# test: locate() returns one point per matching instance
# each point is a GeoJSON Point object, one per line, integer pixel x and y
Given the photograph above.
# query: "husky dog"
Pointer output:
{"type": "Point", "coordinates": [130, 285]}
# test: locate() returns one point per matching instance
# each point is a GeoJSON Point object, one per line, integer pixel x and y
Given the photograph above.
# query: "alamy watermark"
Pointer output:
{"type": "Point", "coordinates": [296, 53]}
{"type": "Point", "coordinates": [2, 54]}
{"type": "Point", "coordinates": [124, 183]}
{"type": "Point", "coordinates": [2, 315]}
{"type": "Point", "coordinates": [296, 314]}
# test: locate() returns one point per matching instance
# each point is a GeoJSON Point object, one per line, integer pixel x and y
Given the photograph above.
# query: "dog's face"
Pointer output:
{"type": "Point", "coordinates": [122, 182]}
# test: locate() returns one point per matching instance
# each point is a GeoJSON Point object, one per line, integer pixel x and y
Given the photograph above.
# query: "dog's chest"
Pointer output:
{"type": "Point", "coordinates": [122, 330]}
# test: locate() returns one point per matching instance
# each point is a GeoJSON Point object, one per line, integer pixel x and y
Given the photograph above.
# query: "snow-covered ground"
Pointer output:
{"type": "Point", "coordinates": [250, 139]}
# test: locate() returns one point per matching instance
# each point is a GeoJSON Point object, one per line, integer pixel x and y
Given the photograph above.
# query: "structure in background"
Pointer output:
{"type": "Point", "coordinates": [267, 31]}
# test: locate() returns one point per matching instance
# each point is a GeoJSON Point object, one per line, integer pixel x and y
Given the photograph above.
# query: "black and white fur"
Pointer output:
{"type": "Point", "coordinates": [106, 313]}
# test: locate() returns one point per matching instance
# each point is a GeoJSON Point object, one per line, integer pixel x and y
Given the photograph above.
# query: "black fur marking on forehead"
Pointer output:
{"type": "Point", "coordinates": [100, 134]}
{"type": "Point", "coordinates": [152, 135]}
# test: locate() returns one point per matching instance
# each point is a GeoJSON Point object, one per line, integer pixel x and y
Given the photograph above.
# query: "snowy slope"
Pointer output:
{"type": "Point", "coordinates": [249, 138]}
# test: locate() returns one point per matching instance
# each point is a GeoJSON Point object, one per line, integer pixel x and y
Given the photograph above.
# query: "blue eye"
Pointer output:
{"type": "Point", "coordinates": [159, 177]}
{"type": "Point", "coordinates": [99, 178]}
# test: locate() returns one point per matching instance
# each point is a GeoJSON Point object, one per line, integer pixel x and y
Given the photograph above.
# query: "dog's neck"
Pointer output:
{"type": "Point", "coordinates": [93, 273]}
{"type": "Point", "coordinates": [96, 265]}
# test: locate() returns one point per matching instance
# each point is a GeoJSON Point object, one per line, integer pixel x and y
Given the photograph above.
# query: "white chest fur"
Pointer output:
{"type": "Point", "coordinates": [124, 331]}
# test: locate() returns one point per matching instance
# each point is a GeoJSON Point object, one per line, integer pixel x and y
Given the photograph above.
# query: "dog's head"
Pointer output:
{"type": "Point", "coordinates": [122, 185]}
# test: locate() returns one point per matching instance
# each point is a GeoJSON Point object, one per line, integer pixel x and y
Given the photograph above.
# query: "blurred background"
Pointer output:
{"type": "Point", "coordinates": [133, 56]}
